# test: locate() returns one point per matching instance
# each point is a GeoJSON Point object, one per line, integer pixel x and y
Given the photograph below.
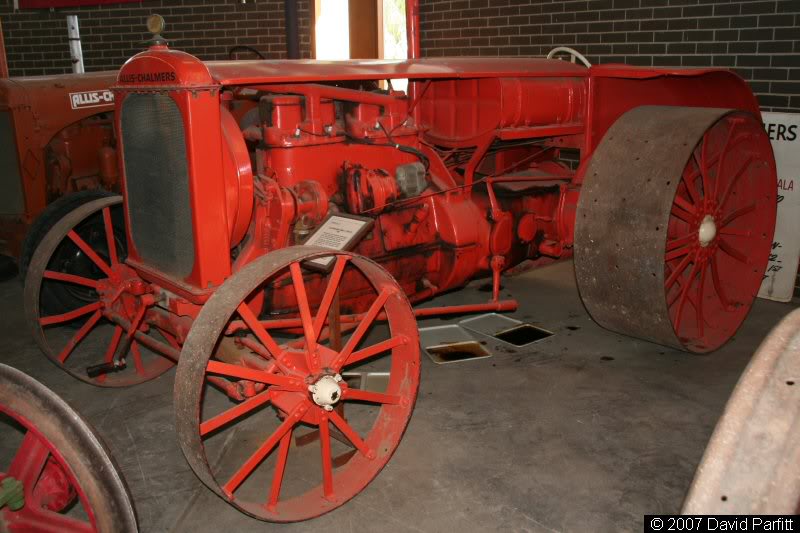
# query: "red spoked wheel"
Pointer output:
{"type": "Point", "coordinates": [80, 294]}
{"type": "Point", "coordinates": [290, 378]}
{"type": "Point", "coordinates": [674, 224]}
{"type": "Point", "coordinates": [720, 232]}
{"type": "Point", "coordinates": [55, 475]}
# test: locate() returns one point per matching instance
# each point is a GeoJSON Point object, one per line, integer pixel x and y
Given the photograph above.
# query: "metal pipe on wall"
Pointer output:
{"type": "Point", "coordinates": [75, 50]}
{"type": "Point", "coordinates": [412, 28]}
{"type": "Point", "coordinates": [292, 29]}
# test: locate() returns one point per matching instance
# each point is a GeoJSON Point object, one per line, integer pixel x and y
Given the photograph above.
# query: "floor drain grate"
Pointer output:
{"type": "Point", "coordinates": [522, 334]}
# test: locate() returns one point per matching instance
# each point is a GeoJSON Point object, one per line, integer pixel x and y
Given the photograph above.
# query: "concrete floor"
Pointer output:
{"type": "Point", "coordinates": [587, 431]}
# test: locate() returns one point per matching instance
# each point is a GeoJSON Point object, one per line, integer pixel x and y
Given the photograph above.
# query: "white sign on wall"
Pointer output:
{"type": "Point", "coordinates": [779, 279]}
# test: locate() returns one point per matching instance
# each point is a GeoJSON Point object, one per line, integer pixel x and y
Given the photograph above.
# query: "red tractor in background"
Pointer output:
{"type": "Point", "coordinates": [281, 216]}
{"type": "Point", "coordinates": [59, 151]}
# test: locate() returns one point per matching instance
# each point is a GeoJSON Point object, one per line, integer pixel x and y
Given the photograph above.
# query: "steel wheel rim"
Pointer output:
{"type": "Point", "coordinates": [720, 232]}
{"type": "Point", "coordinates": [141, 368]}
{"type": "Point", "coordinates": [332, 488]}
{"type": "Point", "coordinates": [39, 449]}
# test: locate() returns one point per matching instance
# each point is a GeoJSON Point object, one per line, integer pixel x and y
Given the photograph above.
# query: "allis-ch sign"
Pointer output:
{"type": "Point", "coordinates": [779, 279]}
{"type": "Point", "coordinates": [46, 4]}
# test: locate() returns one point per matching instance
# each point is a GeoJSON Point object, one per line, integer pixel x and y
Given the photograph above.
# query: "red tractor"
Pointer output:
{"type": "Point", "coordinates": [59, 151]}
{"type": "Point", "coordinates": [280, 218]}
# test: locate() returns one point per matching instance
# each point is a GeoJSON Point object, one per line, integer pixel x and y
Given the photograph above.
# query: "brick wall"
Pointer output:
{"type": "Point", "coordinates": [759, 39]}
{"type": "Point", "coordinates": [36, 40]}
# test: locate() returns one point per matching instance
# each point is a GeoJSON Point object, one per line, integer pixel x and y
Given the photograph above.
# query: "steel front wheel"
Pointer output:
{"type": "Point", "coordinates": [98, 289]}
{"type": "Point", "coordinates": [292, 378]}
{"type": "Point", "coordinates": [55, 475]}
{"type": "Point", "coordinates": [674, 225]}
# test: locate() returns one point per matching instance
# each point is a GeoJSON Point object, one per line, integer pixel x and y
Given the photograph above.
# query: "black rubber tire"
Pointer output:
{"type": "Point", "coordinates": [90, 461]}
{"type": "Point", "coordinates": [47, 218]}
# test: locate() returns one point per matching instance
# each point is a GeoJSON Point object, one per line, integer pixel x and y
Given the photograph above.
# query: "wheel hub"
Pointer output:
{"type": "Point", "coordinates": [707, 231]}
{"type": "Point", "coordinates": [326, 392]}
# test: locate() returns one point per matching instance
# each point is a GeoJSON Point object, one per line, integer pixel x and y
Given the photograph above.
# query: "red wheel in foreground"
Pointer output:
{"type": "Point", "coordinates": [720, 232]}
{"type": "Point", "coordinates": [80, 259]}
{"type": "Point", "coordinates": [291, 377]}
{"type": "Point", "coordinates": [55, 475]}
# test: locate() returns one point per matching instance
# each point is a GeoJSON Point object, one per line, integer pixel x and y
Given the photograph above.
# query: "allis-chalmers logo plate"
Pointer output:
{"type": "Point", "coordinates": [91, 99]}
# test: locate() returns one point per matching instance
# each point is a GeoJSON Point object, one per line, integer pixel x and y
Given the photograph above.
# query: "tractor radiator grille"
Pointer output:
{"type": "Point", "coordinates": [157, 183]}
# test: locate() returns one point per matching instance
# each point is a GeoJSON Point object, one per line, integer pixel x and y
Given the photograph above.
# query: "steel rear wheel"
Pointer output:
{"type": "Point", "coordinates": [67, 478]}
{"type": "Point", "coordinates": [674, 225]}
{"type": "Point", "coordinates": [295, 385]}
{"type": "Point", "coordinates": [81, 335]}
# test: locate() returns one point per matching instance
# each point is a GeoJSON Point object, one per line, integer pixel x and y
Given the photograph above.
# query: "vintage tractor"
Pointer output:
{"type": "Point", "coordinates": [55, 474]}
{"type": "Point", "coordinates": [281, 216]}
{"type": "Point", "coordinates": [59, 151]}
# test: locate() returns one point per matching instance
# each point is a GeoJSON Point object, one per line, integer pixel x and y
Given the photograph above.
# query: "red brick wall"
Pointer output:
{"type": "Point", "coordinates": [760, 39]}
{"type": "Point", "coordinates": [36, 39]}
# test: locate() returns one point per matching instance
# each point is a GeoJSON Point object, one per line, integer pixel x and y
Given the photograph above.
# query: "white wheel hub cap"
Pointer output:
{"type": "Point", "coordinates": [707, 231]}
{"type": "Point", "coordinates": [326, 392]}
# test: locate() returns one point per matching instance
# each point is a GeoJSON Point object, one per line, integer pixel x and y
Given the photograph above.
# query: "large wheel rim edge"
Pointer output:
{"type": "Point", "coordinates": [702, 120]}
{"type": "Point", "coordinates": [191, 368]}
{"type": "Point", "coordinates": [114, 489]}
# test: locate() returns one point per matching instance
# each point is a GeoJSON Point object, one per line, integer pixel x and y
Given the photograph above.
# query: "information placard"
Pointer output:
{"type": "Point", "coordinates": [338, 232]}
{"type": "Point", "coordinates": [779, 279]}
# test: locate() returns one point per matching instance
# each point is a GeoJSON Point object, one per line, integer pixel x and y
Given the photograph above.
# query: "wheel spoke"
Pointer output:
{"type": "Point", "coordinates": [330, 291]}
{"type": "Point", "coordinates": [368, 396]}
{"type": "Point", "coordinates": [718, 285]}
{"type": "Point", "coordinates": [677, 212]}
{"type": "Point", "coordinates": [235, 412]}
{"type": "Point", "coordinates": [110, 241]}
{"type": "Point", "coordinates": [79, 336]}
{"type": "Point", "coordinates": [350, 433]}
{"type": "Point", "coordinates": [690, 187]}
{"type": "Point", "coordinates": [170, 338]}
{"type": "Point", "coordinates": [255, 326]}
{"type": "Point", "coordinates": [312, 358]}
{"type": "Point", "coordinates": [704, 168]}
{"type": "Point", "coordinates": [674, 254]}
{"type": "Point", "coordinates": [261, 351]}
{"type": "Point", "coordinates": [699, 306]}
{"type": "Point", "coordinates": [112, 346]}
{"type": "Point", "coordinates": [260, 376]}
{"type": "Point", "coordinates": [259, 455]}
{"type": "Point", "coordinates": [682, 299]}
{"type": "Point", "coordinates": [325, 448]}
{"type": "Point", "coordinates": [28, 462]}
{"type": "Point", "coordinates": [738, 213]}
{"type": "Point", "coordinates": [375, 349]}
{"type": "Point", "coordinates": [722, 155]}
{"type": "Point", "coordinates": [137, 358]}
{"type": "Point", "coordinates": [736, 232]}
{"type": "Point", "coordinates": [732, 182]}
{"type": "Point", "coordinates": [733, 252]}
{"type": "Point", "coordinates": [681, 241]}
{"type": "Point", "coordinates": [677, 272]}
{"type": "Point", "coordinates": [362, 328]}
{"type": "Point", "coordinates": [45, 521]}
{"type": "Point", "coordinates": [70, 278]}
{"type": "Point", "coordinates": [280, 468]}
{"type": "Point", "coordinates": [683, 204]}
{"type": "Point", "coordinates": [71, 315]}
{"type": "Point", "coordinates": [90, 253]}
